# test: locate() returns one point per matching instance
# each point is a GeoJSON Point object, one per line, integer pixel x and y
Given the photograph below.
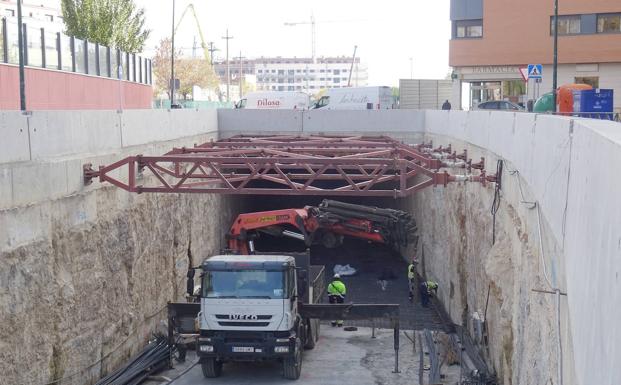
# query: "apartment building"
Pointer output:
{"type": "Point", "coordinates": [493, 39]}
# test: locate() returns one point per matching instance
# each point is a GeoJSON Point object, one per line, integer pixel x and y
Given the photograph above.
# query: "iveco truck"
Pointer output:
{"type": "Point", "coordinates": [249, 310]}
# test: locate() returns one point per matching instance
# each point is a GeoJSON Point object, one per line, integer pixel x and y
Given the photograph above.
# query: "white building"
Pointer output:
{"type": "Point", "coordinates": [36, 13]}
{"type": "Point", "coordinates": [302, 74]}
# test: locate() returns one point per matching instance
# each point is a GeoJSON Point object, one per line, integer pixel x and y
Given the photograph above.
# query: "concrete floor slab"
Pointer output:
{"type": "Point", "coordinates": [340, 357]}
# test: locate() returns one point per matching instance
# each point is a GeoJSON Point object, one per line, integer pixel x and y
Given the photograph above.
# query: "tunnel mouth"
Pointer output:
{"type": "Point", "coordinates": [380, 270]}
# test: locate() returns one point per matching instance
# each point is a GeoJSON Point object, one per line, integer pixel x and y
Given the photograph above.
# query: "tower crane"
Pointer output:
{"type": "Point", "coordinates": [313, 23]}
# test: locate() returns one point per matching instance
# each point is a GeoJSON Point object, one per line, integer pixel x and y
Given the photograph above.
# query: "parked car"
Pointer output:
{"type": "Point", "coordinates": [502, 105]}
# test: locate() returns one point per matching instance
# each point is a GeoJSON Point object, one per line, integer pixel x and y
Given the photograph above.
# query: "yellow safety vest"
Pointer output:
{"type": "Point", "coordinates": [411, 271]}
{"type": "Point", "coordinates": [337, 288]}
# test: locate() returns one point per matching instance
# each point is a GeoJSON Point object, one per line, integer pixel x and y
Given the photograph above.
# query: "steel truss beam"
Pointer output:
{"type": "Point", "coordinates": [291, 165]}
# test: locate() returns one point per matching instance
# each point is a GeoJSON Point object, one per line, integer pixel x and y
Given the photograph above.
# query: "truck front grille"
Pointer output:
{"type": "Point", "coordinates": [242, 324]}
{"type": "Point", "coordinates": [228, 317]}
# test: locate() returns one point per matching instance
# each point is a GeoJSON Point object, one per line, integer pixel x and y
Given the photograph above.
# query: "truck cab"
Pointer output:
{"type": "Point", "coordinates": [249, 311]}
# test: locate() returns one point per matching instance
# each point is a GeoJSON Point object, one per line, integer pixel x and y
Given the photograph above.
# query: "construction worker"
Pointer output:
{"type": "Point", "coordinates": [427, 289]}
{"type": "Point", "coordinates": [412, 278]}
{"type": "Point", "coordinates": [336, 294]}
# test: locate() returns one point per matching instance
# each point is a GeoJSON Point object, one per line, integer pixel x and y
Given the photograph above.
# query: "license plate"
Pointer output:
{"type": "Point", "coordinates": [243, 349]}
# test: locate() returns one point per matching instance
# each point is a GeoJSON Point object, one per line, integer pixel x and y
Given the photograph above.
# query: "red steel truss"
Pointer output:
{"type": "Point", "coordinates": [291, 165]}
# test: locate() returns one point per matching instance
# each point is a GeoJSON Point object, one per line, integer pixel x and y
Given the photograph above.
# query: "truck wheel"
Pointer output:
{"type": "Point", "coordinates": [292, 366]}
{"type": "Point", "coordinates": [211, 368]}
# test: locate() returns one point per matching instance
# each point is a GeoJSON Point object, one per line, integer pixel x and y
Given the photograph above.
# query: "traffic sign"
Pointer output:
{"type": "Point", "coordinates": [524, 73]}
{"type": "Point", "coordinates": [535, 71]}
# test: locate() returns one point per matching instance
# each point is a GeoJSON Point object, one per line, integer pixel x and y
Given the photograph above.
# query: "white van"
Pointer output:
{"type": "Point", "coordinates": [275, 100]}
{"type": "Point", "coordinates": [356, 98]}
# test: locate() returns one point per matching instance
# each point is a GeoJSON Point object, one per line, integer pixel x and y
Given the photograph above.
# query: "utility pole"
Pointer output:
{"type": "Point", "coordinates": [20, 43]}
{"type": "Point", "coordinates": [228, 66]}
{"type": "Point", "coordinates": [211, 51]}
{"type": "Point", "coordinates": [172, 60]}
{"type": "Point", "coordinates": [241, 75]}
{"type": "Point", "coordinates": [555, 65]}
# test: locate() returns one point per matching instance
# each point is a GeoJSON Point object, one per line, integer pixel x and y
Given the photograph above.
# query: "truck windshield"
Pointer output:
{"type": "Point", "coordinates": [244, 284]}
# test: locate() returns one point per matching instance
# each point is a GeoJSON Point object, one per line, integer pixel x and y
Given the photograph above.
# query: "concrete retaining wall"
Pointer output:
{"type": "Point", "coordinates": [567, 166]}
{"type": "Point", "coordinates": [88, 270]}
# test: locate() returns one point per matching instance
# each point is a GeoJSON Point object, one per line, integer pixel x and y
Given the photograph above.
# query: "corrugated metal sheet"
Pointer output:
{"type": "Point", "coordinates": [423, 94]}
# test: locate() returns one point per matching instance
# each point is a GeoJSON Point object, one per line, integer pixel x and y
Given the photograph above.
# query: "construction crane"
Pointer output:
{"type": "Point", "coordinates": [207, 50]}
{"type": "Point", "coordinates": [313, 23]}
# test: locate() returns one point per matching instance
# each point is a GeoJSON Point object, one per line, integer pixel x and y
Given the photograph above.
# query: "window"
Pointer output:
{"type": "Point", "coordinates": [593, 81]}
{"type": "Point", "coordinates": [312, 71]}
{"type": "Point", "coordinates": [281, 72]}
{"type": "Point", "coordinates": [567, 25]}
{"type": "Point", "coordinates": [336, 80]}
{"type": "Point", "coordinates": [291, 72]}
{"type": "Point", "coordinates": [49, 17]}
{"type": "Point", "coordinates": [281, 88]}
{"type": "Point", "coordinates": [468, 29]}
{"type": "Point", "coordinates": [259, 71]}
{"type": "Point", "coordinates": [10, 12]}
{"type": "Point", "coordinates": [322, 71]}
{"type": "Point", "coordinates": [290, 88]}
{"type": "Point", "coordinates": [337, 72]}
{"type": "Point", "coordinates": [608, 23]}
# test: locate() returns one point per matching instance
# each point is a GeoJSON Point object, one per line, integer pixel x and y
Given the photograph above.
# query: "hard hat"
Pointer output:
{"type": "Point", "coordinates": [336, 276]}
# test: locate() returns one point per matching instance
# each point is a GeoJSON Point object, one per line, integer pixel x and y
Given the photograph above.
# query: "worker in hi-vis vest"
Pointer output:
{"type": "Point", "coordinates": [412, 278]}
{"type": "Point", "coordinates": [427, 289]}
{"type": "Point", "coordinates": [336, 294]}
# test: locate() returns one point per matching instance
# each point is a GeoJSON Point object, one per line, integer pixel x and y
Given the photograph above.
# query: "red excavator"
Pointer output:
{"type": "Point", "coordinates": [326, 224]}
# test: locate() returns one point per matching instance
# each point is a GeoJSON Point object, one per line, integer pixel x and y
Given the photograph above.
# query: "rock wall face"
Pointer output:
{"type": "Point", "coordinates": [492, 277]}
{"type": "Point", "coordinates": [76, 304]}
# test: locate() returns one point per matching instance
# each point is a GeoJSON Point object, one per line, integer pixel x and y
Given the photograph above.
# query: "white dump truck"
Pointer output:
{"type": "Point", "coordinates": [356, 98]}
{"type": "Point", "coordinates": [275, 100]}
{"type": "Point", "coordinates": [250, 310]}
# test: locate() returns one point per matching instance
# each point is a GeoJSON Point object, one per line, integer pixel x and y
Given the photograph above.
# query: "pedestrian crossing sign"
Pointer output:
{"type": "Point", "coordinates": [535, 71]}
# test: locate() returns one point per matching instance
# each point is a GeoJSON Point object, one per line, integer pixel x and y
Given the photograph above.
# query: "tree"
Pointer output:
{"type": "Point", "coordinates": [113, 23]}
{"type": "Point", "coordinates": [190, 72]}
{"type": "Point", "coordinates": [161, 67]}
{"type": "Point", "coordinates": [194, 72]}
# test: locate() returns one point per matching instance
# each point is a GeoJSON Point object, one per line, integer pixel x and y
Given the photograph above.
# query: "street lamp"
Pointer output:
{"type": "Point", "coordinates": [555, 64]}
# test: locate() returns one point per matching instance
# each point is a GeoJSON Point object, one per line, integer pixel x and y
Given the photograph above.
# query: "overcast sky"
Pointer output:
{"type": "Point", "coordinates": [388, 32]}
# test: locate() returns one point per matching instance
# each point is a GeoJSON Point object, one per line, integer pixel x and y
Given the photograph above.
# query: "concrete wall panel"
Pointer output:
{"type": "Point", "coordinates": [14, 146]}
{"type": "Point", "coordinates": [266, 122]}
{"type": "Point", "coordinates": [61, 133]}
{"type": "Point", "coordinates": [370, 122]}
{"type": "Point", "coordinates": [592, 244]}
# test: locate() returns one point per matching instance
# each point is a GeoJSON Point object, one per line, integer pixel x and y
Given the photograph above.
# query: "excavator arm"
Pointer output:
{"type": "Point", "coordinates": [326, 224]}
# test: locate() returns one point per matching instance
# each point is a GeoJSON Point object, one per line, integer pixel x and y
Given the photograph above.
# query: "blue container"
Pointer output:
{"type": "Point", "coordinates": [597, 103]}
